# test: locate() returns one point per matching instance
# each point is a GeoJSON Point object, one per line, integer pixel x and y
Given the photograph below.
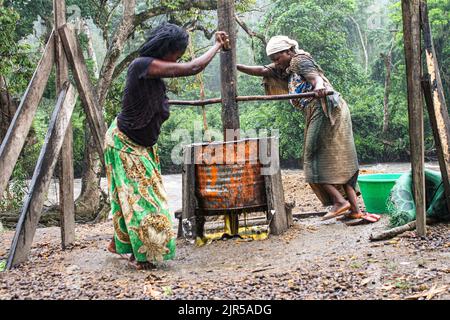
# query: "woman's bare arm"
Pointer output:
{"type": "Point", "coordinates": [319, 85]}
{"type": "Point", "coordinates": [259, 71]}
{"type": "Point", "coordinates": [164, 69]}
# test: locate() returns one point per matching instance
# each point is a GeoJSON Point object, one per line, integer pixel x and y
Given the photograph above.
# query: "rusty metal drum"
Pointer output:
{"type": "Point", "coordinates": [228, 177]}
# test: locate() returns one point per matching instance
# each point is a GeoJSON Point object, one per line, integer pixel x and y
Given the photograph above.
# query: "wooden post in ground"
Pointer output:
{"type": "Point", "coordinates": [21, 123]}
{"type": "Point", "coordinates": [85, 88]}
{"type": "Point", "coordinates": [435, 100]}
{"type": "Point", "coordinates": [280, 221]}
{"type": "Point", "coordinates": [66, 185]}
{"type": "Point", "coordinates": [411, 34]}
{"type": "Point", "coordinates": [188, 182]}
{"type": "Point", "coordinates": [34, 202]}
{"type": "Point", "coordinates": [228, 77]}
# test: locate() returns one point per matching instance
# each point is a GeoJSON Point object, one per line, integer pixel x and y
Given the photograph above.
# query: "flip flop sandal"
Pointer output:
{"type": "Point", "coordinates": [371, 217]}
{"type": "Point", "coordinates": [344, 218]}
{"type": "Point", "coordinates": [356, 222]}
{"type": "Point", "coordinates": [376, 216]}
{"type": "Point", "coordinates": [340, 212]}
{"type": "Point", "coordinates": [363, 219]}
{"type": "Point", "coordinates": [353, 215]}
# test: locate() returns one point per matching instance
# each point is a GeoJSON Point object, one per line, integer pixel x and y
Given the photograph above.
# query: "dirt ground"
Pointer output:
{"type": "Point", "coordinates": [314, 260]}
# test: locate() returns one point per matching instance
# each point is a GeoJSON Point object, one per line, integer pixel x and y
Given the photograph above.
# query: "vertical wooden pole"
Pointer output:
{"type": "Point", "coordinates": [66, 186]}
{"type": "Point", "coordinates": [411, 34]}
{"type": "Point", "coordinates": [188, 196]}
{"type": "Point", "coordinates": [228, 77]}
{"type": "Point", "coordinates": [437, 108]}
{"type": "Point", "coordinates": [281, 221]}
{"type": "Point", "coordinates": [228, 71]}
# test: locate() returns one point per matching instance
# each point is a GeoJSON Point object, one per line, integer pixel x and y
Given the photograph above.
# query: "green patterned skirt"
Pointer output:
{"type": "Point", "coordinates": [142, 222]}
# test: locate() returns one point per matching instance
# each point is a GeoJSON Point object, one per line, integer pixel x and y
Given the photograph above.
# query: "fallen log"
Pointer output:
{"type": "Point", "coordinates": [388, 234]}
{"type": "Point", "coordinates": [391, 233]}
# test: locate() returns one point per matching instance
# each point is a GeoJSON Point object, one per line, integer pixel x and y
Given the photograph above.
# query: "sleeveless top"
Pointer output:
{"type": "Point", "coordinates": [145, 104]}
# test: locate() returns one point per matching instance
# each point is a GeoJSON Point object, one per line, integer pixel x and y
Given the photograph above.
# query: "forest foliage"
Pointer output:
{"type": "Point", "coordinates": [350, 39]}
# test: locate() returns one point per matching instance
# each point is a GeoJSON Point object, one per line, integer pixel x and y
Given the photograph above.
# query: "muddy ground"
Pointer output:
{"type": "Point", "coordinates": [313, 260]}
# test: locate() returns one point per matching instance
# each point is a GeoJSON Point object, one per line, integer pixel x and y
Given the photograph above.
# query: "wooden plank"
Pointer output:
{"type": "Point", "coordinates": [21, 123]}
{"type": "Point", "coordinates": [439, 126]}
{"type": "Point", "coordinates": [411, 34]}
{"type": "Point", "coordinates": [66, 175]}
{"type": "Point", "coordinates": [85, 88]}
{"type": "Point", "coordinates": [188, 189]}
{"type": "Point", "coordinates": [34, 202]}
{"type": "Point", "coordinates": [435, 100]}
{"type": "Point", "coordinates": [275, 194]}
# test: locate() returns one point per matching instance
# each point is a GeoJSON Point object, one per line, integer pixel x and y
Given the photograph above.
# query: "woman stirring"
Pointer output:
{"type": "Point", "coordinates": [142, 222]}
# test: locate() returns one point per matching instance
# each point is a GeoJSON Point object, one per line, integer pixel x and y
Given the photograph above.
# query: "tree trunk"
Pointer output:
{"type": "Point", "coordinates": [387, 85]}
{"type": "Point", "coordinates": [387, 89]}
{"type": "Point", "coordinates": [88, 203]}
{"type": "Point", "coordinates": [7, 108]}
{"type": "Point", "coordinates": [91, 52]}
{"type": "Point", "coordinates": [363, 44]}
{"type": "Point", "coordinates": [115, 49]}
{"type": "Point", "coordinates": [89, 200]}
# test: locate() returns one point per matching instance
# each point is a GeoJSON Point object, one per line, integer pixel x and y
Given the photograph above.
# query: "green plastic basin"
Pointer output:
{"type": "Point", "coordinates": [375, 190]}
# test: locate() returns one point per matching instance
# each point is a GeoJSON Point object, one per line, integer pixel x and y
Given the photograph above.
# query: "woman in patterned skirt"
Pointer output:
{"type": "Point", "coordinates": [329, 153]}
{"type": "Point", "coordinates": [142, 222]}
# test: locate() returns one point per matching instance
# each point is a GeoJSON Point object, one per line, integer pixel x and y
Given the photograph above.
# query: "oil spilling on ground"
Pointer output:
{"type": "Point", "coordinates": [245, 234]}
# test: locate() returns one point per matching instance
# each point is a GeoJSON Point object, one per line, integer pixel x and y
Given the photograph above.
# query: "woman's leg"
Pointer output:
{"type": "Point", "coordinates": [352, 198]}
{"type": "Point", "coordinates": [338, 200]}
{"type": "Point", "coordinates": [138, 265]}
{"type": "Point", "coordinates": [340, 205]}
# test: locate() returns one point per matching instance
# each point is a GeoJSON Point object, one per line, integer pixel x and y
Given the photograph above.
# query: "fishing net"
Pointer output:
{"type": "Point", "coordinates": [401, 206]}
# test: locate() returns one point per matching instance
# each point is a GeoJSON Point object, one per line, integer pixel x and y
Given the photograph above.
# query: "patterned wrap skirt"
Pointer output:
{"type": "Point", "coordinates": [329, 153]}
{"type": "Point", "coordinates": [142, 222]}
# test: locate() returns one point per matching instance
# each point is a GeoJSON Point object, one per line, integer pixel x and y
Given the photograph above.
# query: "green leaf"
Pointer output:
{"type": "Point", "coordinates": [2, 265]}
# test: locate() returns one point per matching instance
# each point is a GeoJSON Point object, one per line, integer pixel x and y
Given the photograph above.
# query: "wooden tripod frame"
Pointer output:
{"type": "Point", "coordinates": [61, 47]}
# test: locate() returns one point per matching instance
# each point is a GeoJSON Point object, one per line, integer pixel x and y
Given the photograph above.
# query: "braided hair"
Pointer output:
{"type": "Point", "coordinates": [165, 39]}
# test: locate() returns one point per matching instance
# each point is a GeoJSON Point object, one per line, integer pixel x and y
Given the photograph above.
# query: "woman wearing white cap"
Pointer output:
{"type": "Point", "coordinates": [329, 153]}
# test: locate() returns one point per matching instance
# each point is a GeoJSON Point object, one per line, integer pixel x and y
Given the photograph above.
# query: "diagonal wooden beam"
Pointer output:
{"type": "Point", "coordinates": [85, 88]}
{"type": "Point", "coordinates": [21, 123]}
{"type": "Point", "coordinates": [435, 100]}
{"type": "Point", "coordinates": [34, 202]}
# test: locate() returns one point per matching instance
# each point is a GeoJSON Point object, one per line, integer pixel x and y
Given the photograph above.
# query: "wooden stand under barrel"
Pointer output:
{"type": "Point", "coordinates": [230, 178]}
